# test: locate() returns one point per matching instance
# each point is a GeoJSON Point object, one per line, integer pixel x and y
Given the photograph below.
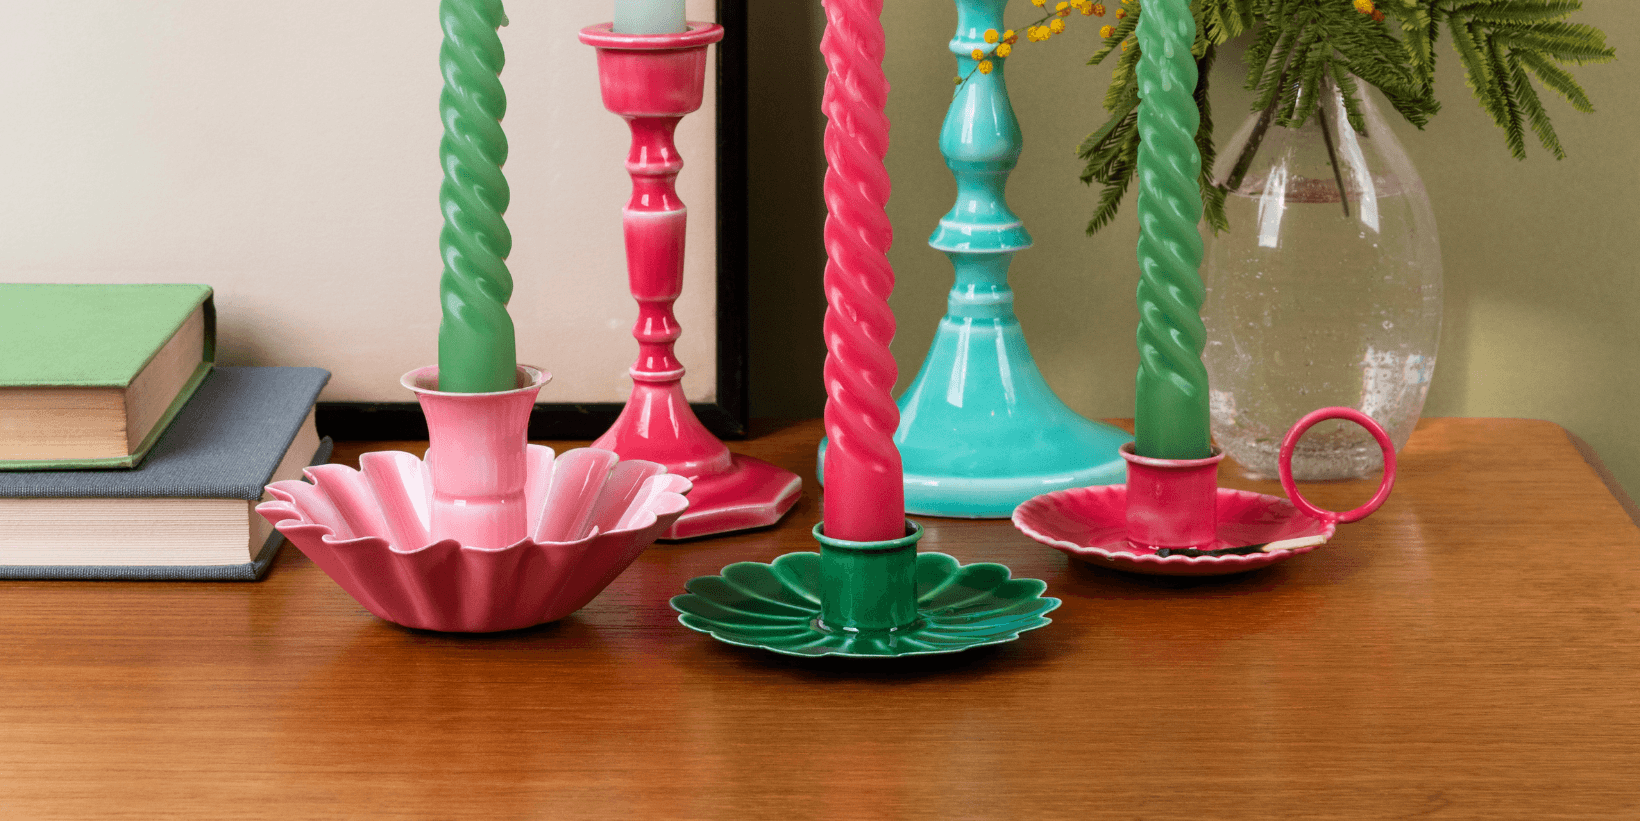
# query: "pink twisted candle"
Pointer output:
{"type": "Point", "coordinates": [865, 491]}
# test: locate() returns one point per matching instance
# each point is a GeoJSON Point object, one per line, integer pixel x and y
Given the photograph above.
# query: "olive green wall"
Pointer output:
{"type": "Point", "coordinates": [1542, 297]}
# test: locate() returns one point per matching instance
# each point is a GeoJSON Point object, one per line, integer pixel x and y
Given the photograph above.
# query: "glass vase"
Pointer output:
{"type": "Point", "coordinates": [1325, 290]}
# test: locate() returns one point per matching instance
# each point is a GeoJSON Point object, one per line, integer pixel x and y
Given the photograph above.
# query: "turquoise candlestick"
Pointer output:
{"type": "Point", "coordinates": [1170, 417]}
{"type": "Point", "coordinates": [477, 352]}
{"type": "Point", "coordinates": [980, 430]}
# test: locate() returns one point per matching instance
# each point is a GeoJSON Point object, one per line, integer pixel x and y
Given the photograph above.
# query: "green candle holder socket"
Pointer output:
{"type": "Point", "coordinates": [864, 599]}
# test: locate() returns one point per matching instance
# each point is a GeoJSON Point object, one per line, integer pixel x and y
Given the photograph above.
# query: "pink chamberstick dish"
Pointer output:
{"type": "Point", "coordinates": [589, 518]}
{"type": "Point", "coordinates": [1090, 523]}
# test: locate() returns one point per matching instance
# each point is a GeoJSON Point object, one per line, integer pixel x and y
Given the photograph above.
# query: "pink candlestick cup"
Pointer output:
{"type": "Point", "coordinates": [476, 458]}
{"type": "Point", "coordinates": [1172, 502]}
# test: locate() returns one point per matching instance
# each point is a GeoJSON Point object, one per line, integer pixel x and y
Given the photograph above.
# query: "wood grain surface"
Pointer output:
{"type": "Point", "coordinates": [1471, 651]}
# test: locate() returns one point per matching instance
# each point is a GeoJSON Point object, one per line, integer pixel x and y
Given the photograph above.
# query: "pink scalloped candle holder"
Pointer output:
{"type": "Point", "coordinates": [1172, 518]}
{"type": "Point", "coordinates": [488, 532]}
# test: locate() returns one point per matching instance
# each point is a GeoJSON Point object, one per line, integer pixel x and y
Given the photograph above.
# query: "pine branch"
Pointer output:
{"type": "Point", "coordinates": [1513, 130]}
{"type": "Point", "coordinates": [1212, 195]}
{"type": "Point", "coordinates": [1352, 97]}
{"type": "Point", "coordinates": [1498, 41]}
{"type": "Point", "coordinates": [1123, 28]}
{"type": "Point", "coordinates": [1549, 10]}
{"type": "Point", "coordinates": [1092, 144]}
{"type": "Point", "coordinates": [1117, 175]}
{"type": "Point", "coordinates": [1533, 107]}
{"type": "Point", "coordinates": [1301, 49]}
{"type": "Point", "coordinates": [1558, 79]}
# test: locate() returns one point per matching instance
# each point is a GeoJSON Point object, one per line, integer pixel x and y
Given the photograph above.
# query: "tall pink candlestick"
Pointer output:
{"type": "Point", "coordinates": [865, 492]}
{"type": "Point", "coordinates": [652, 81]}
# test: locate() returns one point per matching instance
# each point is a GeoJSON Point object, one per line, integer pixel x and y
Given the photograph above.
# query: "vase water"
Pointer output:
{"type": "Point", "coordinates": [1326, 290]}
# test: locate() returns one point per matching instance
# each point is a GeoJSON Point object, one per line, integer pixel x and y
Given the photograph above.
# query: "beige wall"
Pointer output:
{"type": "Point", "coordinates": [1543, 301]}
{"type": "Point", "coordinates": [293, 166]}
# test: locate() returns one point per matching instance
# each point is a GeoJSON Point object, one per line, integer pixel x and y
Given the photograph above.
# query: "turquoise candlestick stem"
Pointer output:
{"type": "Point", "coordinates": [980, 429]}
{"type": "Point", "coordinates": [1170, 420]}
{"type": "Point", "coordinates": [477, 352]}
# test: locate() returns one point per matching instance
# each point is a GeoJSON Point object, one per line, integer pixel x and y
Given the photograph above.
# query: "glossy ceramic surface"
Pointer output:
{"type": "Point", "coordinates": [798, 605]}
{"type": "Point", "coordinates": [476, 457]}
{"type": "Point", "coordinates": [980, 429]}
{"type": "Point", "coordinates": [1172, 519]}
{"type": "Point", "coordinates": [652, 81]}
{"type": "Point", "coordinates": [1091, 524]}
{"type": "Point", "coordinates": [588, 517]}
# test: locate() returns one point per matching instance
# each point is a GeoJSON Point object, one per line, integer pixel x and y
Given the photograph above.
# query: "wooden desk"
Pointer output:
{"type": "Point", "coordinates": [1472, 651]}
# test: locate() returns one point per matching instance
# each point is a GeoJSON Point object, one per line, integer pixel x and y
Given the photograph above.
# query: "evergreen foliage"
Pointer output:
{"type": "Point", "coordinates": [1303, 48]}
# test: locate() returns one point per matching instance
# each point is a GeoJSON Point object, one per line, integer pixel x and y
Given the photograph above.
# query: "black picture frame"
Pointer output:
{"type": "Point", "coordinates": [727, 417]}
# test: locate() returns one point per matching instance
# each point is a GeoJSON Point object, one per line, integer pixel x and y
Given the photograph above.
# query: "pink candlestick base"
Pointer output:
{"type": "Point", "coordinates": [1172, 519]}
{"type": "Point", "coordinates": [731, 492]}
{"type": "Point", "coordinates": [488, 532]}
{"type": "Point", "coordinates": [652, 81]}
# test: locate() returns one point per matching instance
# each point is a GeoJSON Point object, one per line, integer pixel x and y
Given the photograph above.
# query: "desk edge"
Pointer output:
{"type": "Point", "coordinates": [1600, 469]}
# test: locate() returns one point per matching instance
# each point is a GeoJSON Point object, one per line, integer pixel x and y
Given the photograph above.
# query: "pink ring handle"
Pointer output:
{"type": "Point", "coordinates": [1285, 464]}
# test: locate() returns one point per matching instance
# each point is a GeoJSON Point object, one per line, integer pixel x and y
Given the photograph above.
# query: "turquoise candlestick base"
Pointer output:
{"type": "Point", "coordinates": [980, 430]}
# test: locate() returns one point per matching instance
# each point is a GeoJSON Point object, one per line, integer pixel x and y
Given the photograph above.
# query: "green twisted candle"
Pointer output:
{"type": "Point", "coordinates": [1170, 420]}
{"type": "Point", "coordinates": [476, 349]}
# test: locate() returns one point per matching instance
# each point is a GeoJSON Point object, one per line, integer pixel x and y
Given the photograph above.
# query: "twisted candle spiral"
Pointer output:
{"type": "Point", "coordinates": [476, 349]}
{"type": "Point", "coordinates": [1171, 415]}
{"type": "Point", "coordinates": [865, 492]}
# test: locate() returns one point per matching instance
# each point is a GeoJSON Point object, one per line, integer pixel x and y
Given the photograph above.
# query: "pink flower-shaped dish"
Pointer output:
{"type": "Point", "coordinates": [1090, 523]}
{"type": "Point", "coordinates": [589, 518]}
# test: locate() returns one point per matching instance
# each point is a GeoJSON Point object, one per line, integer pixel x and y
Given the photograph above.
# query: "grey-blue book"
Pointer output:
{"type": "Point", "coordinates": [189, 511]}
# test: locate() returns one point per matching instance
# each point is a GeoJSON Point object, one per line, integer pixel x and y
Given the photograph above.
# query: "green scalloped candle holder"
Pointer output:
{"type": "Point", "coordinates": [864, 599]}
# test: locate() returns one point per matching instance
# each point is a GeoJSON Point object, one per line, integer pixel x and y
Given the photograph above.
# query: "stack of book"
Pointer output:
{"type": "Point", "coordinates": [124, 454]}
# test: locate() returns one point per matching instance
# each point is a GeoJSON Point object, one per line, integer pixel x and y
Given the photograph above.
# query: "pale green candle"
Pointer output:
{"type": "Point", "coordinates": [1170, 420]}
{"type": "Point", "coordinates": [649, 17]}
{"type": "Point", "coordinates": [477, 352]}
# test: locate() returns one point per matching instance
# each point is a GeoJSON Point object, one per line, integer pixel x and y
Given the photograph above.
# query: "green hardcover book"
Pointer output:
{"type": "Point", "coordinates": [90, 375]}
